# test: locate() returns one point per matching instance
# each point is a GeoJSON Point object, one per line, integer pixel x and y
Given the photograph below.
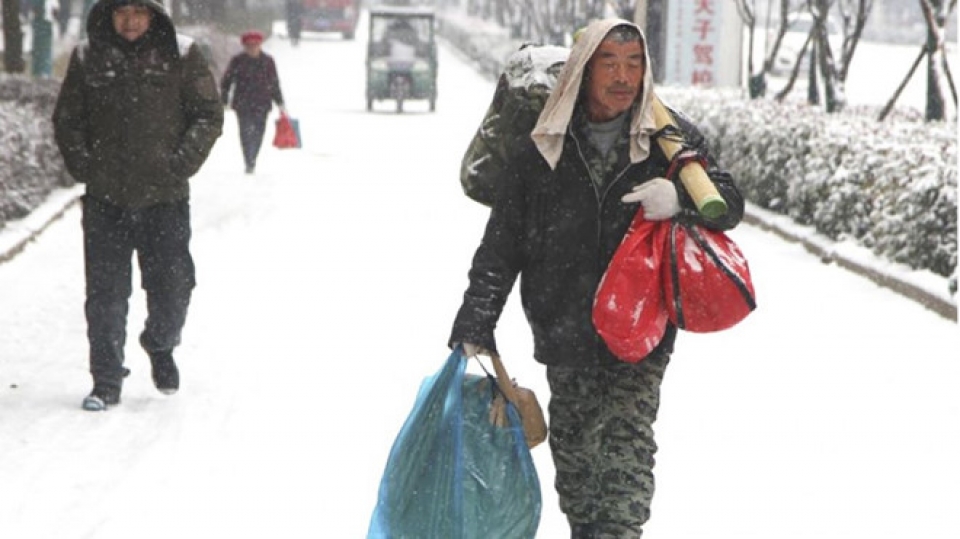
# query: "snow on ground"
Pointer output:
{"type": "Point", "coordinates": [327, 285]}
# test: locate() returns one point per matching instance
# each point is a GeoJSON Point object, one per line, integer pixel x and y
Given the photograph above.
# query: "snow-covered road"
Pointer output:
{"type": "Point", "coordinates": [327, 285]}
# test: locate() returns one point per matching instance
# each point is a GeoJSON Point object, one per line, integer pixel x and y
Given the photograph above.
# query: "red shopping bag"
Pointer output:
{"type": "Point", "coordinates": [706, 279]}
{"type": "Point", "coordinates": [628, 309]}
{"type": "Point", "coordinates": [696, 278]}
{"type": "Point", "coordinates": [286, 133]}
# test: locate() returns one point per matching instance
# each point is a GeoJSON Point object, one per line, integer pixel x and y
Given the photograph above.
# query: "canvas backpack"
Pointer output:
{"type": "Point", "coordinates": [523, 87]}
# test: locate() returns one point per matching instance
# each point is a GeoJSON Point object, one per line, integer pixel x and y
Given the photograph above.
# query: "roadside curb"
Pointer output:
{"type": "Point", "coordinates": [15, 235]}
{"type": "Point", "coordinates": [927, 289]}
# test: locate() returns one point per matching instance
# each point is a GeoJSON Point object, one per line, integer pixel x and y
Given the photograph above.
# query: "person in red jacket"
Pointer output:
{"type": "Point", "coordinates": [252, 75]}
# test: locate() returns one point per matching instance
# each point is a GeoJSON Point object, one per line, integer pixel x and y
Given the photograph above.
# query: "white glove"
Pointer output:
{"type": "Point", "coordinates": [658, 197]}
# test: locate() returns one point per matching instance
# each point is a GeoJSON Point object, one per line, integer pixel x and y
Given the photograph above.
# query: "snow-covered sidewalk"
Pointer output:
{"type": "Point", "coordinates": [327, 285]}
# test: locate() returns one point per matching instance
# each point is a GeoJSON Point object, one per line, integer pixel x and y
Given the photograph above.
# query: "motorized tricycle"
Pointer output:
{"type": "Point", "coordinates": [401, 55]}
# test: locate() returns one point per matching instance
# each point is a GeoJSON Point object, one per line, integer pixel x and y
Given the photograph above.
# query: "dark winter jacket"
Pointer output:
{"type": "Point", "coordinates": [255, 84]}
{"type": "Point", "coordinates": [134, 121]}
{"type": "Point", "coordinates": [557, 228]}
{"type": "Point", "coordinates": [558, 232]}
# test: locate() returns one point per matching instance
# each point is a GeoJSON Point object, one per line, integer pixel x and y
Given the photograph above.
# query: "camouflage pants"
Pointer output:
{"type": "Point", "coordinates": [601, 437]}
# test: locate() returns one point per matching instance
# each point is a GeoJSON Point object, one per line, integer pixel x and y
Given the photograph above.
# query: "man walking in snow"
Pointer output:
{"type": "Point", "coordinates": [137, 115]}
{"type": "Point", "coordinates": [567, 195]}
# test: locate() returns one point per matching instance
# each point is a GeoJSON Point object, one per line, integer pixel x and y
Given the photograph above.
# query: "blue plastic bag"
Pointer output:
{"type": "Point", "coordinates": [296, 129]}
{"type": "Point", "coordinates": [451, 473]}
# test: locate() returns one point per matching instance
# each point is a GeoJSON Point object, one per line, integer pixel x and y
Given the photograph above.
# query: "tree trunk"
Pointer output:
{"type": "Point", "coordinates": [936, 16]}
{"type": "Point", "coordinates": [851, 37]}
{"type": "Point", "coordinates": [796, 69]}
{"type": "Point", "coordinates": [756, 83]}
{"type": "Point", "coordinates": [771, 53]}
{"type": "Point", "coordinates": [13, 61]}
{"type": "Point", "coordinates": [813, 85]}
{"type": "Point", "coordinates": [832, 84]}
{"type": "Point", "coordinates": [936, 104]}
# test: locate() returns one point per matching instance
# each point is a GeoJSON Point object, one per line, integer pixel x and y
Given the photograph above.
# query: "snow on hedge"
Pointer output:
{"type": "Point", "coordinates": [890, 186]}
{"type": "Point", "coordinates": [30, 163]}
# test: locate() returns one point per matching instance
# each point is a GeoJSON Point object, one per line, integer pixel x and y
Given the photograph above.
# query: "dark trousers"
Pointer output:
{"type": "Point", "coordinates": [160, 235]}
{"type": "Point", "coordinates": [252, 127]}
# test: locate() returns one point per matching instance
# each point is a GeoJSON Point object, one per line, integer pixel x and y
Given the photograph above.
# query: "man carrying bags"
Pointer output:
{"type": "Point", "coordinates": [567, 196]}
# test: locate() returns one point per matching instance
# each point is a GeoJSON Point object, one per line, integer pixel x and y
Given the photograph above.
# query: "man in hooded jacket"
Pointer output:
{"type": "Point", "coordinates": [567, 196]}
{"type": "Point", "coordinates": [137, 115]}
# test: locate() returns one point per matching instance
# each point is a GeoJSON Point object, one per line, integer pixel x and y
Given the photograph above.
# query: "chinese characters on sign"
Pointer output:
{"type": "Point", "coordinates": [703, 43]}
{"type": "Point", "coordinates": [703, 47]}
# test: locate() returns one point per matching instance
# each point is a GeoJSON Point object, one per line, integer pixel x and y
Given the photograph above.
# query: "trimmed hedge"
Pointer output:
{"type": "Point", "coordinates": [30, 163]}
{"type": "Point", "coordinates": [890, 186]}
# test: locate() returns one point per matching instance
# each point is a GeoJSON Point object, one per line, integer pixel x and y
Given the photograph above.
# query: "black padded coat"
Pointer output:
{"type": "Point", "coordinates": [557, 231]}
{"type": "Point", "coordinates": [134, 121]}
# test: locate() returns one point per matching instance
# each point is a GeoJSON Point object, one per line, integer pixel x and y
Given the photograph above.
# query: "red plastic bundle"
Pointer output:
{"type": "Point", "coordinates": [706, 279]}
{"type": "Point", "coordinates": [286, 135]}
{"type": "Point", "coordinates": [628, 309]}
{"type": "Point", "coordinates": [696, 278]}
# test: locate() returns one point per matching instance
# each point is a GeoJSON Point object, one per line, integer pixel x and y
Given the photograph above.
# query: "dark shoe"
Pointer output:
{"type": "Point", "coordinates": [101, 398]}
{"type": "Point", "coordinates": [166, 376]}
{"type": "Point", "coordinates": [249, 170]}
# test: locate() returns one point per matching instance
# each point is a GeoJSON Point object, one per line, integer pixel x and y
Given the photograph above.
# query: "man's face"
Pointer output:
{"type": "Point", "coordinates": [132, 21]}
{"type": "Point", "coordinates": [616, 76]}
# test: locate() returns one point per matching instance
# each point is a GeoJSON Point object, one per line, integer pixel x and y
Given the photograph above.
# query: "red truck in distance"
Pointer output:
{"type": "Point", "coordinates": [338, 16]}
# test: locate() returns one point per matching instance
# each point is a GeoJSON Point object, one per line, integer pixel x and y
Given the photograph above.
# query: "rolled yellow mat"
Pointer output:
{"type": "Point", "coordinates": [694, 179]}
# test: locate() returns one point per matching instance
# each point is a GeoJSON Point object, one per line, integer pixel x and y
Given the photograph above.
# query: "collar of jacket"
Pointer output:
{"type": "Point", "coordinates": [601, 180]}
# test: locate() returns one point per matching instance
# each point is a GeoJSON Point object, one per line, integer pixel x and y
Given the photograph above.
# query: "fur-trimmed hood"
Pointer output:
{"type": "Point", "coordinates": [551, 127]}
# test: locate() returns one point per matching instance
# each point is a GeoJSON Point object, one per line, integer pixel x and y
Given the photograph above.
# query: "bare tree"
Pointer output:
{"type": "Point", "coordinates": [853, 15]}
{"type": "Point", "coordinates": [822, 68]}
{"type": "Point", "coordinates": [935, 13]}
{"type": "Point", "coordinates": [823, 56]}
{"type": "Point", "coordinates": [796, 69]}
{"type": "Point", "coordinates": [13, 61]}
{"type": "Point", "coordinates": [747, 11]}
{"type": "Point", "coordinates": [757, 81]}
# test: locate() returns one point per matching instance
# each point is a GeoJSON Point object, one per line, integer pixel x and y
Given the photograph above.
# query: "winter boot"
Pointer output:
{"type": "Point", "coordinates": [166, 376]}
{"type": "Point", "coordinates": [103, 395]}
{"type": "Point", "coordinates": [99, 400]}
